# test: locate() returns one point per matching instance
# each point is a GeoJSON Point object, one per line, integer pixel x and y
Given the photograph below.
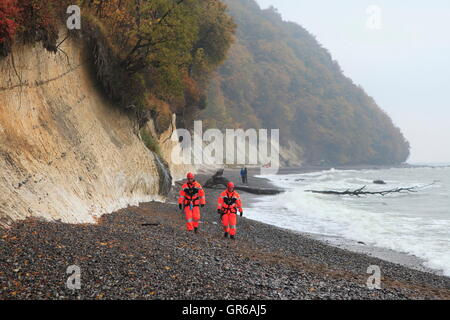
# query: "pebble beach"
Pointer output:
{"type": "Point", "coordinates": [145, 253]}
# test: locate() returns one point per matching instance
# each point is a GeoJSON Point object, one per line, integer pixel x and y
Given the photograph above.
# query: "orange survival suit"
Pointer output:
{"type": "Point", "coordinates": [191, 197]}
{"type": "Point", "coordinates": [229, 203]}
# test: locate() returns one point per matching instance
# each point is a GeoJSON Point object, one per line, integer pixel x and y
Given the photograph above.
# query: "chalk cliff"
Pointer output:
{"type": "Point", "coordinates": [65, 152]}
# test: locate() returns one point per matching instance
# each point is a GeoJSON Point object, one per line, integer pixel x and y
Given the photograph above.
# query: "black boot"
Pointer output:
{"type": "Point", "coordinates": [225, 235]}
{"type": "Point", "coordinates": [196, 230]}
{"type": "Point", "coordinates": [232, 237]}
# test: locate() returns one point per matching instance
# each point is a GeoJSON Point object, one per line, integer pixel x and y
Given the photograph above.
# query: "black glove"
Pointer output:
{"type": "Point", "coordinates": [242, 212]}
{"type": "Point", "coordinates": [202, 205]}
{"type": "Point", "coordinates": [180, 206]}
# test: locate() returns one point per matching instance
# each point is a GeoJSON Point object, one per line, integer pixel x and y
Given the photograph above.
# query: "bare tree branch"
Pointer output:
{"type": "Point", "coordinates": [360, 192]}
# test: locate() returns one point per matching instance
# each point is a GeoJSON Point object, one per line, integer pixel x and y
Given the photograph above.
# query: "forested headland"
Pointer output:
{"type": "Point", "coordinates": [277, 75]}
{"type": "Point", "coordinates": [227, 62]}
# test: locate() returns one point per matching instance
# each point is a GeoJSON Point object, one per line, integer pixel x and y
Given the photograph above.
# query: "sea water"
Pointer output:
{"type": "Point", "coordinates": [416, 223]}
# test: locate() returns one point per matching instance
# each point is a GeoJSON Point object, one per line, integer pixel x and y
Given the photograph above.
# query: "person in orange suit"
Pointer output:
{"type": "Point", "coordinates": [229, 203]}
{"type": "Point", "coordinates": [192, 197]}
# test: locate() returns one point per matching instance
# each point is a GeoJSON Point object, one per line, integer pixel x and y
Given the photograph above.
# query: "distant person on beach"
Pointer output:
{"type": "Point", "coordinates": [229, 203]}
{"type": "Point", "coordinates": [244, 175]}
{"type": "Point", "coordinates": [192, 197]}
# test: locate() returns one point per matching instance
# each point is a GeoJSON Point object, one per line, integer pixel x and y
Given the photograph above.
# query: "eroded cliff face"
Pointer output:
{"type": "Point", "coordinates": [171, 151]}
{"type": "Point", "coordinates": [66, 153]}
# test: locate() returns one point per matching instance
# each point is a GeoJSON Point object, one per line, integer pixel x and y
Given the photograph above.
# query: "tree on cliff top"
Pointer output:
{"type": "Point", "coordinates": [30, 21]}
{"type": "Point", "coordinates": [9, 18]}
{"type": "Point", "coordinates": [155, 55]}
{"type": "Point", "coordinates": [170, 47]}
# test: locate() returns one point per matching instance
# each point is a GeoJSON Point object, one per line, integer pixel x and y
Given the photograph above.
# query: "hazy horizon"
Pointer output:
{"type": "Point", "coordinates": [404, 65]}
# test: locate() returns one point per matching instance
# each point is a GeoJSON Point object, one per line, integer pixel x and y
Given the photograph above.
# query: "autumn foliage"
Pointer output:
{"type": "Point", "coordinates": [9, 19]}
{"type": "Point", "coordinates": [30, 21]}
{"type": "Point", "coordinates": [141, 51]}
{"type": "Point", "coordinates": [165, 48]}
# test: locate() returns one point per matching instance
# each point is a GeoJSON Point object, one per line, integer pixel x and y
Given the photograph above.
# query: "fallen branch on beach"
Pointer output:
{"type": "Point", "coordinates": [361, 191]}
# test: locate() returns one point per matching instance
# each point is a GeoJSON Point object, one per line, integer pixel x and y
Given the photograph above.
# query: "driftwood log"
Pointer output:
{"type": "Point", "coordinates": [361, 191]}
{"type": "Point", "coordinates": [218, 179]}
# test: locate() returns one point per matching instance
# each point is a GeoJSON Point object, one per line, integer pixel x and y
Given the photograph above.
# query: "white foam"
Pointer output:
{"type": "Point", "coordinates": [409, 223]}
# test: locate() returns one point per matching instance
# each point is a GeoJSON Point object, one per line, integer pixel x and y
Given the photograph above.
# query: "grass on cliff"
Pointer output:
{"type": "Point", "coordinates": [150, 142]}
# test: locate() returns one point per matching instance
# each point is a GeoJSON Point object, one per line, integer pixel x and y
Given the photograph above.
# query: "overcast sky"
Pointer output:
{"type": "Point", "coordinates": [404, 65]}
